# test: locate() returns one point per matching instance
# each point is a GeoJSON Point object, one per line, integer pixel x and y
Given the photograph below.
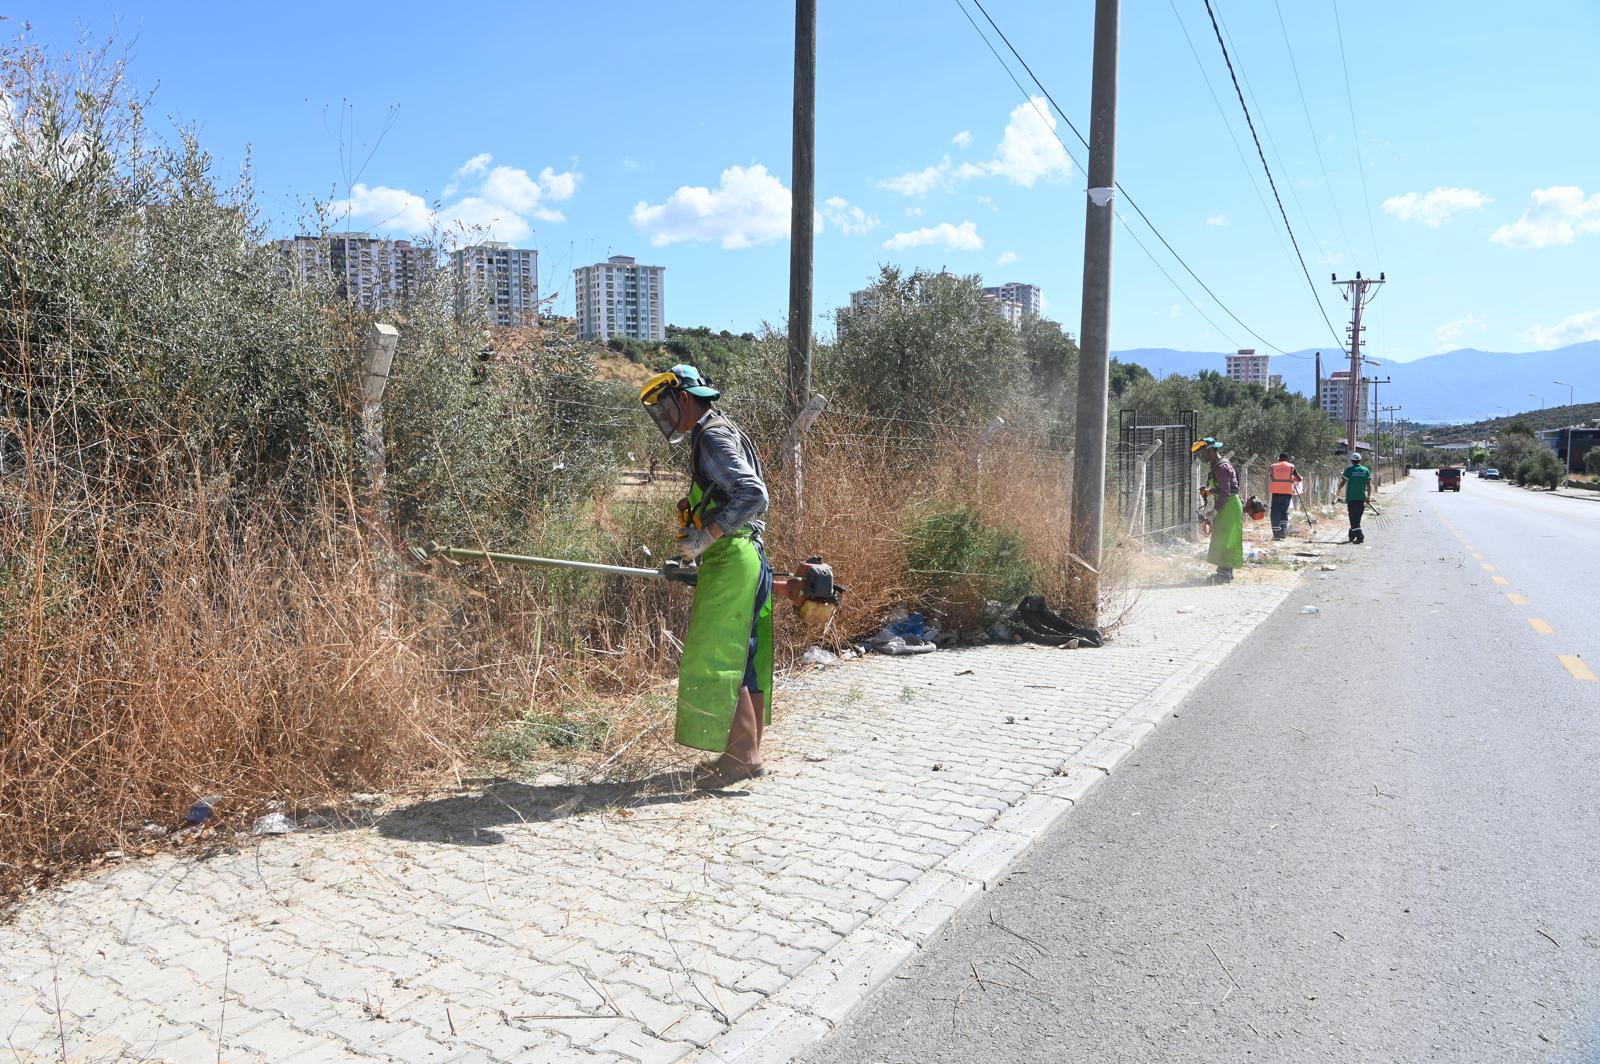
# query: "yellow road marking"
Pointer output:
{"type": "Point", "coordinates": [1575, 665]}
{"type": "Point", "coordinates": [1476, 556]}
{"type": "Point", "coordinates": [1502, 581]}
{"type": "Point", "coordinates": [1488, 568]}
{"type": "Point", "coordinates": [1542, 627]}
{"type": "Point", "coordinates": [1516, 599]}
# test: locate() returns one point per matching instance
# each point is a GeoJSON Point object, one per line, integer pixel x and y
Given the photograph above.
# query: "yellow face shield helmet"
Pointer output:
{"type": "Point", "coordinates": [661, 401]}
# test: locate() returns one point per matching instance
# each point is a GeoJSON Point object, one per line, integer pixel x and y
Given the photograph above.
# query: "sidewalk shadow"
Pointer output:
{"type": "Point", "coordinates": [471, 820]}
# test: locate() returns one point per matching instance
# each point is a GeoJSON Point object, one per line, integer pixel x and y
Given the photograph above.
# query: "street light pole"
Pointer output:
{"type": "Point", "coordinates": [1530, 395]}
{"type": "Point", "coordinates": [1568, 387]}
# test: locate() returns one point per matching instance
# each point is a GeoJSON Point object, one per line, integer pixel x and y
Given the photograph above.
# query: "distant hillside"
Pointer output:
{"type": "Point", "coordinates": [1553, 417]}
{"type": "Point", "coordinates": [1459, 386]}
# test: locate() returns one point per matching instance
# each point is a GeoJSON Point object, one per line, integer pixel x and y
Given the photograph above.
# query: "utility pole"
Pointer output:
{"type": "Point", "coordinates": [800, 224]}
{"type": "Point", "coordinates": [1570, 415]}
{"type": "Point", "coordinates": [1374, 381]}
{"type": "Point", "coordinates": [1356, 295]}
{"type": "Point", "coordinates": [1094, 339]}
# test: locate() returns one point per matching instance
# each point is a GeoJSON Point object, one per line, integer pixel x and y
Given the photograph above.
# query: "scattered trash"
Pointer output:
{"type": "Point", "coordinates": [967, 672]}
{"type": "Point", "coordinates": [149, 830]}
{"type": "Point", "coordinates": [901, 647]}
{"type": "Point", "coordinates": [1310, 611]}
{"type": "Point", "coordinates": [818, 657]}
{"type": "Point", "coordinates": [113, 855]}
{"type": "Point", "coordinates": [1072, 644]}
{"type": "Point", "coordinates": [1011, 720]}
{"type": "Point", "coordinates": [549, 779]}
{"type": "Point", "coordinates": [937, 767]}
{"type": "Point", "coordinates": [1185, 609]}
{"type": "Point", "coordinates": [816, 757]}
{"type": "Point", "coordinates": [1328, 568]}
{"type": "Point", "coordinates": [202, 809]}
{"type": "Point", "coordinates": [367, 799]}
{"type": "Point", "coordinates": [272, 824]}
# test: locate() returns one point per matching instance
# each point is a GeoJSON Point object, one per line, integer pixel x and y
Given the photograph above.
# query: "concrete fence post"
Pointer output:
{"type": "Point", "coordinates": [377, 359]}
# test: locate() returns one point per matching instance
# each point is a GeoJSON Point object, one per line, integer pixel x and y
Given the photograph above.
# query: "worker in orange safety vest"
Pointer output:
{"type": "Point", "coordinates": [1285, 486]}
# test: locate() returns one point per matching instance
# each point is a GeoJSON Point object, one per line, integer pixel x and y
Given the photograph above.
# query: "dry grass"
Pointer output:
{"type": "Point", "coordinates": [149, 656]}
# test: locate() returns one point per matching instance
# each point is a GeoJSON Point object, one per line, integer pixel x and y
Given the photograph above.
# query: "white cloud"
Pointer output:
{"type": "Point", "coordinates": [498, 207]}
{"type": "Point", "coordinates": [1176, 311]}
{"type": "Point", "coordinates": [962, 139]}
{"type": "Point", "coordinates": [1573, 329]}
{"type": "Point", "coordinates": [1450, 333]}
{"type": "Point", "coordinates": [1219, 219]}
{"type": "Point", "coordinates": [524, 194]}
{"type": "Point", "coordinates": [1434, 208]}
{"type": "Point", "coordinates": [913, 212]}
{"type": "Point", "coordinates": [1028, 153]}
{"type": "Point", "coordinates": [629, 163]}
{"type": "Point", "coordinates": [381, 207]}
{"type": "Point", "coordinates": [963, 237]}
{"type": "Point", "coordinates": [1006, 258]}
{"type": "Point", "coordinates": [1559, 215]}
{"type": "Point", "coordinates": [851, 220]}
{"type": "Point", "coordinates": [749, 206]}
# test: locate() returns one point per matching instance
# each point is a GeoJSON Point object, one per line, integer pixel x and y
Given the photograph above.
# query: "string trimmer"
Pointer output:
{"type": "Point", "coordinates": [811, 589]}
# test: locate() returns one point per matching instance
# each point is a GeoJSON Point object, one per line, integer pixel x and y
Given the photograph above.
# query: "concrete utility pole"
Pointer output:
{"type": "Point", "coordinates": [1356, 294]}
{"type": "Point", "coordinates": [1094, 331]}
{"type": "Point", "coordinates": [1374, 381]}
{"type": "Point", "coordinates": [801, 220]}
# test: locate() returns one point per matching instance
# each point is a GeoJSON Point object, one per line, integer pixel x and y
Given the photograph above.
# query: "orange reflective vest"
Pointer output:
{"type": "Point", "coordinates": [1283, 478]}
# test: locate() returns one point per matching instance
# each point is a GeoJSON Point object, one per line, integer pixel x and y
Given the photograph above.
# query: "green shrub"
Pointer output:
{"type": "Point", "coordinates": [1541, 467]}
{"type": "Point", "coordinates": [956, 563]}
{"type": "Point", "coordinates": [1591, 461]}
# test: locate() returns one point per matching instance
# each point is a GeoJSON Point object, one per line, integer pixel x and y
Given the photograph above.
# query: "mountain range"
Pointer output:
{"type": "Point", "coordinates": [1462, 385]}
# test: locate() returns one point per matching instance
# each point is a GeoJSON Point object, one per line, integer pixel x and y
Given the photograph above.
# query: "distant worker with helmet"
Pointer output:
{"type": "Point", "coordinates": [1285, 485]}
{"type": "Point", "coordinates": [725, 671]}
{"type": "Point", "coordinates": [1355, 485]}
{"type": "Point", "coordinates": [1227, 523]}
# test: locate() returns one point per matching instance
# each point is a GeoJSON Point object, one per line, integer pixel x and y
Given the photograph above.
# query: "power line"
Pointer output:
{"type": "Point", "coordinates": [1273, 184]}
{"type": "Point", "coordinates": [1315, 144]}
{"type": "Point", "coordinates": [1122, 191]}
{"type": "Point", "coordinates": [1355, 133]}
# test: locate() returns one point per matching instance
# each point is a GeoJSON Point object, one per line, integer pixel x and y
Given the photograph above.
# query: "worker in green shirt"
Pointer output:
{"type": "Point", "coordinates": [1354, 484]}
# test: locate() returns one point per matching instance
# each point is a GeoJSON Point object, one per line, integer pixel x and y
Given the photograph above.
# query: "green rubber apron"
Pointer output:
{"type": "Point", "coordinates": [1227, 535]}
{"type": "Point", "coordinates": [717, 644]}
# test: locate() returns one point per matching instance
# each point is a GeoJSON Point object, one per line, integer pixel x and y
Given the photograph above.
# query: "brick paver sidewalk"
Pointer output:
{"type": "Point", "coordinates": [514, 924]}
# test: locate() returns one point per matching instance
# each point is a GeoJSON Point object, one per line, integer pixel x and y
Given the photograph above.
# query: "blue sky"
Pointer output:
{"type": "Point", "coordinates": [662, 130]}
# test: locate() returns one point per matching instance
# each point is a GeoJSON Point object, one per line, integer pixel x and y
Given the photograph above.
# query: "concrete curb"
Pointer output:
{"type": "Point", "coordinates": [825, 993]}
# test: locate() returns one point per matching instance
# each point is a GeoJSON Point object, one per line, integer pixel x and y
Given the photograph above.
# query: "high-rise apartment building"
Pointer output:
{"type": "Point", "coordinates": [1028, 296]}
{"type": "Point", "coordinates": [500, 278]}
{"type": "Point", "coordinates": [1247, 367]}
{"type": "Point", "coordinates": [1008, 309]}
{"type": "Point", "coordinates": [619, 297]}
{"type": "Point", "coordinates": [374, 274]}
{"type": "Point", "coordinates": [1334, 396]}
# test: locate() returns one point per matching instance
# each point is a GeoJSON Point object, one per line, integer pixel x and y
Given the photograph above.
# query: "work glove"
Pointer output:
{"type": "Point", "coordinates": [692, 542]}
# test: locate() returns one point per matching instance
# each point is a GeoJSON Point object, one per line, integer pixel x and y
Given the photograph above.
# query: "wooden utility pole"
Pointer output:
{"type": "Point", "coordinates": [800, 225]}
{"type": "Point", "coordinates": [1094, 332]}
{"type": "Point", "coordinates": [1356, 295]}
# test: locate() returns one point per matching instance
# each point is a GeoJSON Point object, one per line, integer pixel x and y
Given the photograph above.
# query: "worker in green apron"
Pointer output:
{"type": "Point", "coordinates": [725, 672]}
{"type": "Point", "coordinates": [1226, 549]}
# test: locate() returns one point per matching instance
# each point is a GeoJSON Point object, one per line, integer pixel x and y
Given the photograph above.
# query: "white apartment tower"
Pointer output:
{"type": "Point", "coordinates": [1334, 396]}
{"type": "Point", "coordinates": [619, 297]}
{"type": "Point", "coordinates": [502, 279]}
{"type": "Point", "coordinates": [1027, 296]}
{"type": "Point", "coordinates": [374, 274]}
{"type": "Point", "coordinates": [1247, 367]}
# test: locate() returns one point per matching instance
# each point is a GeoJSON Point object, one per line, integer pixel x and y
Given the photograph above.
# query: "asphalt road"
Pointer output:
{"type": "Point", "coordinates": [1371, 835]}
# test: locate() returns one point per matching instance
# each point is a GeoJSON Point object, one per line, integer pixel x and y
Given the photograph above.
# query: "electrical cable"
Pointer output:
{"type": "Point", "coordinates": [1233, 75]}
{"type": "Point", "coordinates": [1122, 191]}
{"type": "Point", "coordinates": [1355, 133]}
{"type": "Point", "coordinates": [1315, 143]}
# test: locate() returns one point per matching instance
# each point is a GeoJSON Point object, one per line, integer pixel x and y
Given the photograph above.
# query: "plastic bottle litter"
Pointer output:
{"type": "Point", "coordinates": [272, 824]}
{"type": "Point", "coordinates": [202, 809]}
{"type": "Point", "coordinates": [819, 658]}
{"type": "Point", "coordinates": [1310, 611]}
